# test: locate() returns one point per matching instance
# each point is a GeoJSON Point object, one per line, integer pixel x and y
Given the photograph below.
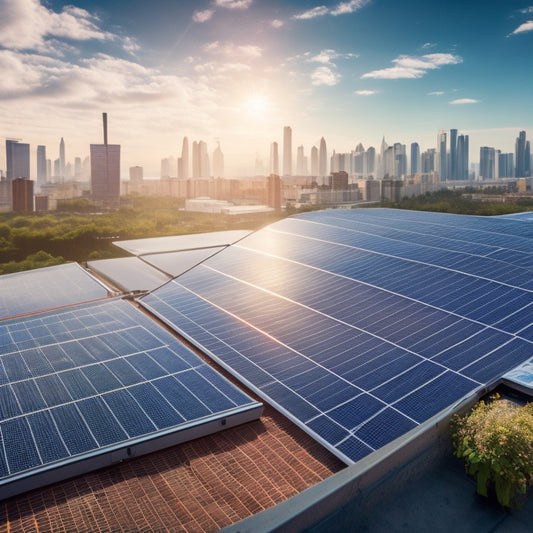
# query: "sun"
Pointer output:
{"type": "Point", "coordinates": [257, 106]}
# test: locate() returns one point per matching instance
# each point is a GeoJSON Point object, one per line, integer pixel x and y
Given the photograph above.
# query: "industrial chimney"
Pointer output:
{"type": "Point", "coordinates": [104, 115]}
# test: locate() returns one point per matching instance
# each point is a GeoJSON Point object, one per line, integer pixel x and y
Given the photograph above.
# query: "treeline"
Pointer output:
{"type": "Point", "coordinates": [459, 201]}
{"type": "Point", "coordinates": [77, 231]}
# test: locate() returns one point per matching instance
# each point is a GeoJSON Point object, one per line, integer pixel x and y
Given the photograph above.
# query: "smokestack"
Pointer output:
{"type": "Point", "coordinates": [104, 115]}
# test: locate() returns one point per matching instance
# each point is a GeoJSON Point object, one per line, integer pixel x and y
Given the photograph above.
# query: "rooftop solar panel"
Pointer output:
{"type": "Point", "coordinates": [176, 263]}
{"type": "Point", "coordinates": [47, 288]}
{"type": "Point", "coordinates": [361, 325]}
{"type": "Point", "coordinates": [117, 386]}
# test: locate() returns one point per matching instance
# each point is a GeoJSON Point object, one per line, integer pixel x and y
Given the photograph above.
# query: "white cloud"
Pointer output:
{"type": "Point", "coordinates": [526, 10]}
{"type": "Point", "coordinates": [365, 92]}
{"type": "Point", "coordinates": [312, 13]}
{"type": "Point", "coordinates": [326, 57]}
{"type": "Point", "coordinates": [130, 45]}
{"type": "Point", "coordinates": [234, 4]}
{"type": "Point", "coordinates": [25, 24]}
{"type": "Point", "coordinates": [436, 93]}
{"type": "Point", "coordinates": [461, 101]}
{"type": "Point", "coordinates": [349, 7]}
{"type": "Point", "coordinates": [203, 16]}
{"type": "Point", "coordinates": [413, 66]}
{"type": "Point", "coordinates": [232, 50]}
{"type": "Point", "coordinates": [276, 23]}
{"type": "Point", "coordinates": [325, 76]}
{"type": "Point", "coordinates": [525, 27]}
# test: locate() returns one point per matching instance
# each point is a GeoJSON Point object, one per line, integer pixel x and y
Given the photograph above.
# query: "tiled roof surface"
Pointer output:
{"type": "Point", "coordinates": [203, 485]}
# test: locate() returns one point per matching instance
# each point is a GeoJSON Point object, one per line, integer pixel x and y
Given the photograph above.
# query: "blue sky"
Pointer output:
{"type": "Point", "coordinates": [240, 70]}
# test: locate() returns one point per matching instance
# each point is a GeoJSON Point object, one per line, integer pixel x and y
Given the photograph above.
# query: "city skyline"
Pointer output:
{"type": "Point", "coordinates": [241, 70]}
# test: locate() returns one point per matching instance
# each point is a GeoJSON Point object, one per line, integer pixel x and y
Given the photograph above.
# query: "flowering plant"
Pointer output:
{"type": "Point", "coordinates": [496, 441]}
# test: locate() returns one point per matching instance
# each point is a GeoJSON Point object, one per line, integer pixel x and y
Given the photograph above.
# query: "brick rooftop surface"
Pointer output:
{"type": "Point", "coordinates": [202, 485]}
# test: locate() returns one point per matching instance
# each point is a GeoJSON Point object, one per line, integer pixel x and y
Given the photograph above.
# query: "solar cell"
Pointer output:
{"type": "Point", "coordinates": [78, 399]}
{"type": "Point", "coordinates": [361, 325]}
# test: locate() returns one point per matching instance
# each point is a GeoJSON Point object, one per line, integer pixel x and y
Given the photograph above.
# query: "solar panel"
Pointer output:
{"type": "Point", "coordinates": [116, 386]}
{"type": "Point", "coordinates": [176, 263]}
{"type": "Point", "coordinates": [361, 325]}
{"type": "Point", "coordinates": [129, 273]}
{"type": "Point", "coordinates": [47, 288]}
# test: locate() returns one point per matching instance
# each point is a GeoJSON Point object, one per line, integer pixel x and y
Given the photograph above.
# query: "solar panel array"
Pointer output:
{"type": "Point", "coordinates": [47, 288]}
{"type": "Point", "coordinates": [97, 377]}
{"type": "Point", "coordinates": [362, 324]}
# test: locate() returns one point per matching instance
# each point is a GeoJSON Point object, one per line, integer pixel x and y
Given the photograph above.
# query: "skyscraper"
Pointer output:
{"type": "Point", "coordinates": [287, 151]}
{"type": "Point", "coordinates": [41, 165]}
{"type": "Point", "coordinates": [274, 159]}
{"type": "Point", "coordinates": [522, 156]}
{"type": "Point", "coordinates": [452, 171]}
{"type": "Point", "coordinates": [204, 160]}
{"type": "Point", "coordinates": [487, 158]}
{"type": "Point", "coordinates": [22, 194]}
{"type": "Point", "coordinates": [443, 156]}
{"type": "Point", "coordinates": [62, 161]}
{"type": "Point", "coordinates": [105, 169]}
{"type": "Point", "coordinates": [314, 161]}
{"type": "Point", "coordinates": [462, 158]}
{"type": "Point", "coordinates": [415, 158]}
{"type": "Point", "coordinates": [184, 159]}
{"type": "Point", "coordinates": [195, 160]}
{"type": "Point", "coordinates": [218, 162]}
{"type": "Point", "coordinates": [17, 160]}
{"type": "Point", "coordinates": [300, 162]}
{"type": "Point", "coordinates": [323, 158]}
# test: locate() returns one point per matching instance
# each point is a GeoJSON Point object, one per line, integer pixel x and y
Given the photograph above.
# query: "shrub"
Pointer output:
{"type": "Point", "coordinates": [496, 442]}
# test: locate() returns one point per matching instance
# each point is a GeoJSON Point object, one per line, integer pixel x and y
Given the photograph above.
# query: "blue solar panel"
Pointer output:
{"type": "Point", "coordinates": [360, 325]}
{"type": "Point", "coordinates": [119, 376]}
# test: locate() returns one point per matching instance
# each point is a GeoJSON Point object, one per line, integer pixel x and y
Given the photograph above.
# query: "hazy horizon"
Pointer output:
{"type": "Point", "coordinates": [241, 70]}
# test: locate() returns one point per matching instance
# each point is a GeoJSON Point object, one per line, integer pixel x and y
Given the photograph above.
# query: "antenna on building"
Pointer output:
{"type": "Point", "coordinates": [104, 116]}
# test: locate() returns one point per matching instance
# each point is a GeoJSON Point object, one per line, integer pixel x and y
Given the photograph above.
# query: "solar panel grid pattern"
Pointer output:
{"type": "Point", "coordinates": [360, 325]}
{"type": "Point", "coordinates": [76, 381]}
{"type": "Point", "coordinates": [47, 288]}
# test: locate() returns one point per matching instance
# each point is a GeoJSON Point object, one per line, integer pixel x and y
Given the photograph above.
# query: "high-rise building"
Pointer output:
{"type": "Point", "coordinates": [323, 158]}
{"type": "Point", "coordinates": [78, 169]}
{"type": "Point", "coordinates": [105, 169]}
{"type": "Point", "coordinates": [22, 194]}
{"type": "Point", "coordinates": [427, 161]}
{"type": "Point", "coordinates": [274, 191]}
{"type": "Point", "coordinates": [371, 161]}
{"type": "Point", "coordinates": [415, 158]}
{"type": "Point", "coordinates": [183, 162]}
{"type": "Point", "coordinates": [204, 160]}
{"type": "Point", "coordinates": [442, 156]}
{"type": "Point", "coordinates": [274, 159]}
{"type": "Point", "coordinates": [462, 158]}
{"type": "Point", "coordinates": [287, 151]}
{"type": "Point", "coordinates": [400, 160]}
{"type": "Point", "coordinates": [520, 155]}
{"type": "Point", "coordinates": [452, 171]}
{"type": "Point", "coordinates": [62, 161]}
{"type": "Point", "coordinates": [506, 165]}
{"type": "Point", "coordinates": [300, 162]}
{"type": "Point", "coordinates": [41, 166]}
{"type": "Point", "coordinates": [218, 162]}
{"type": "Point", "coordinates": [195, 160]}
{"type": "Point", "coordinates": [17, 159]}
{"type": "Point", "coordinates": [487, 157]}
{"type": "Point", "coordinates": [136, 174]}
{"type": "Point", "coordinates": [314, 161]}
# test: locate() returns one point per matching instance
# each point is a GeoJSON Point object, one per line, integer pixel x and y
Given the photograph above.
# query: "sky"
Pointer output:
{"type": "Point", "coordinates": [238, 71]}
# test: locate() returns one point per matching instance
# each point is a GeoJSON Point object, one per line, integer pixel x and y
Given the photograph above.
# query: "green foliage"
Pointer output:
{"type": "Point", "coordinates": [496, 442]}
{"type": "Point", "coordinates": [37, 260]}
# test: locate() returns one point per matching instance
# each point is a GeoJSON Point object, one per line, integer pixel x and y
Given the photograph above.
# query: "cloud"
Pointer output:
{"type": "Point", "coordinates": [325, 76]}
{"type": "Point", "coordinates": [276, 23]}
{"type": "Point", "coordinates": [461, 101]}
{"type": "Point", "coordinates": [526, 10]}
{"type": "Point", "coordinates": [349, 7]}
{"type": "Point", "coordinates": [413, 66]}
{"type": "Point", "coordinates": [231, 50]}
{"type": "Point", "coordinates": [365, 92]}
{"type": "Point", "coordinates": [327, 56]}
{"type": "Point", "coordinates": [130, 45]}
{"type": "Point", "coordinates": [435, 93]}
{"type": "Point", "coordinates": [234, 4]}
{"type": "Point", "coordinates": [343, 8]}
{"type": "Point", "coordinates": [26, 24]}
{"type": "Point", "coordinates": [203, 16]}
{"type": "Point", "coordinates": [523, 28]}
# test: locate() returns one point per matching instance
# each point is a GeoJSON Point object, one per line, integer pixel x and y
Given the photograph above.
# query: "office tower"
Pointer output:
{"type": "Point", "coordinates": [452, 172]}
{"type": "Point", "coordinates": [389, 163]}
{"type": "Point", "coordinates": [105, 169]}
{"type": "Point", "coordinates": [339, 180]}
{"type": "Point", "coordinates": [323, 158]}
{"type": "Point", "coordinates": [415, 158]}
{"type": "Point", "coordinates": [300, 171]}
{"type": "Point", "coordinates": [287, 151]}
{"type": "Point", "coordinates": [17, 159]}
{"type": "Point", "coordinates": [204, 160]}
{"type": "Point", "coordinates": [442, 156]}
{"type": "Point", "coordinates": [57, 166]}
{"type": "Point", "coordinates": [371, 161]}
{"type": "Point", "coordinates": [136, 175]}
{"type": "Point", "coordinates": [314, 161]}
{"type": "Point", "coordinates": [505, 165]}
{"type": "Point", "coordinates": [77, 167]}
{"type": "Point", "coordinates": [218, 162]}
{"type": "Point", "coordinates": [62, 158]}
{"type": "Point", "coordinates": [462, 157]}
{"type": "Point", "coordinates": [184, 159]}
{"type": "Point", "coordinates": [41, 166]}
{"type": "Point", "coordinates": [165, 168]}
{"type": "Point", "coordinates": [22, 194]}
{"type": "Point", "coordinates": [195, 160]}
{"type": "Point", "coordinates": [274, 191]}
{"type": "Point", "coordinates": [274, 159]}
{"type": "Point", "coordinates": [48, 169]}
{"type": "Point", "coordinates": [427, 161]}
{"type": "Point", "coordinates": [400, 160]}
{"type": "Point", "coordinates": [486, 163]}
{"type": "Point", "coordinates": [520, 156]}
